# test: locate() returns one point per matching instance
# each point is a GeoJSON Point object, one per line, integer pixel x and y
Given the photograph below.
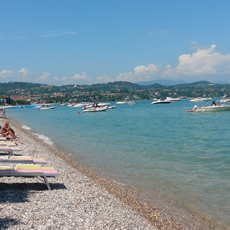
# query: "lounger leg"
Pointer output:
{"type": "Point", "coordinates": [46, 182]}
{"type": "Point", "coordinates": [11, 152]}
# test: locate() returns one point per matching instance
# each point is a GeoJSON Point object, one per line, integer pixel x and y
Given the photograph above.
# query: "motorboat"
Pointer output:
{"type": "Point", "coordinates": [45, 107]}
{"type": "Point", "coordinates": [111, 107]}
{"type": "Point", "coordinates": [161, 102]}
{"type": "Point", "coordinates": [224, 99]}
{"type": "Point", "coordinates": [103, 104]}
{"type": "Point", "coordinates": [131, 103]}
{"type": "Point", "coordinates": [212, 108]}
{"type": "Point", "coordinates": [121, 102]}
{"type": "Point", "coordinates": [95, 109]}
{"type": "Point", "coordinates": [78, 105]}
{"type": "Point", "coordinates": [173, 98]}
{"type": "Point", "coordinates": [198, 99]}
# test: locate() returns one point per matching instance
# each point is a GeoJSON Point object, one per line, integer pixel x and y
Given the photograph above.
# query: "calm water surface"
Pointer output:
{"type": "Point", "coordinates": [187, 155]}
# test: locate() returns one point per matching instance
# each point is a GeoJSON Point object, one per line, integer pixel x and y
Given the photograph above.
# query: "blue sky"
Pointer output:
{"type": "Point", "coordinates": [98, 41]}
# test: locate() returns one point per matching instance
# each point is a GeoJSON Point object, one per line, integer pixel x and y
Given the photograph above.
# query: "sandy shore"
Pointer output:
{"type": "Point", "coordinates": [79, 199]}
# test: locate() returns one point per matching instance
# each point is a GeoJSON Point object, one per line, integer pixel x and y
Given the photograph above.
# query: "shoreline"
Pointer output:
{"type": "Point", "coordinates": [152, 216]}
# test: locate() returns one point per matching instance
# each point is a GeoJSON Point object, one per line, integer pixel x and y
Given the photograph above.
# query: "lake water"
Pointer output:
{"type": "Point", "coordinates": [187, 155]}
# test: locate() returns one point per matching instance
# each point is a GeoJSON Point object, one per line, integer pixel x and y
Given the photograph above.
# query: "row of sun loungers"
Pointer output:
{"type": "Point", "coordinates": [22, 166]}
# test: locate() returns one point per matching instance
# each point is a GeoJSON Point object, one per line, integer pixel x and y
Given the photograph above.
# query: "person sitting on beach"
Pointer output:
{"type": "Point", "coordinates": [3, 112]}
{"type": "Point", "coordinates": [8, 132]}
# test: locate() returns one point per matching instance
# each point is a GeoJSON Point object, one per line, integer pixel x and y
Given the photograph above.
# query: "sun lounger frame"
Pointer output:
{"type": "Point", "coordinates": [40, 175]}
{"type": "Point", "coordinates": [23, 160]}
{"type": "Point", "coordinates": [9, 150]}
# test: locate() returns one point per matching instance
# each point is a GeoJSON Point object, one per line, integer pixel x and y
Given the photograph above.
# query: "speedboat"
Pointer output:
{"type": "Point", "coordinates": [224, 99]}
{"type": "Point", "coordinates": [201, 99]}
{"type": "Point", "coordinates": [111, 107]}
{"type": "Point", "coordinates": [131, 103]}
{"type": "Point", "coordinates": [161, 102]}
{"type": "Point", "coordinates": [45, 107]}
{"type": "Point", "coordinates": [121, 102]}
{"type": "Point", "coordinates": [173, 98]}
{"type": "Point", "coordinates": [126, 101]}
{"type": "Point", "coordinates": [103, 104]}
{"type": "Point", "coordinates": [95, 109]}
{"type": "Point", "coordinates": [78, 105]}
{"type": "Point", "coordinates": [212, 108]}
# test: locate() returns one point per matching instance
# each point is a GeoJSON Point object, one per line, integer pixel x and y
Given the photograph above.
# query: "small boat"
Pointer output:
{"type": "Point", "coordinates": [126, 101]}
{"type": "Point", "coordinates": [173, 99]}
{"type": "Point", "coordinates": [95, 109]}
{"type": "Point", "coordinates": [161, 102]}
{"type": "Point", "coordinates": [224, 99]}
{"type": "Point", "coordinates": [212, 108]}
{"type": "Point", "coordinates": [78, 105]}
{"type": "Point", "coordinates": [201, 99]}
{"type": "Point", "coordinates": [103, 104]}
{"type": "Point", "coordinates": [45, 107]}
{"type": "Point", "coordinates": [121, 102]}
{"type": "Point", "coordinates": [131, 103]}
{"type": "Point", "coordinates": [111, 107]}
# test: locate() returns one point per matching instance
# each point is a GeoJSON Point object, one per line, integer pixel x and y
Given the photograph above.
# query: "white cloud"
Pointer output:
{"type": "Point", "coordinates": [82, 78]}
{"type": "Point", "coordinates": [6, 73]}
{"type": "Point", "coordinates": [203, 62]}
{"type": "Point", "coordinates": [141, 73]}
{"type": "Point", "coordinates": [24, 72]}
{"type": "Point", "coordinates": [104, 79]}
{"type": "Point", "coordinates": [43, 77]}
{"type": "Point", "coordinates": [56, 78]}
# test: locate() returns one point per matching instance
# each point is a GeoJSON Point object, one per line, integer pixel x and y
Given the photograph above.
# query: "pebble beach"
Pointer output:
{"type": "Point", "coordinates": [78, 198]}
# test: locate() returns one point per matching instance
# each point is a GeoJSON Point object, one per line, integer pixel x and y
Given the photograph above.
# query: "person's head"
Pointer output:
{"type": "Point", "coordinates": [6, 124]}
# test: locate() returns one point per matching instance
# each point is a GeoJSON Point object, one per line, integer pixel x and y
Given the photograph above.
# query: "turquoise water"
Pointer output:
{"type": "Point", "coordinates": [186, 155]}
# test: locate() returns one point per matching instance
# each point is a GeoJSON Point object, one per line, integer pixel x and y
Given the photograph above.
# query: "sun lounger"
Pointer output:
{"type": "Point", "coordinates": [9, 143]}
{"type": "Point", "coordinates": [29, 171]}
{"type": "Point", "coordinates": [2, 138]}
{"type": "Point", "coordinates": [22, 159]}
{"type": "Point", "coordinates": [9, 149]}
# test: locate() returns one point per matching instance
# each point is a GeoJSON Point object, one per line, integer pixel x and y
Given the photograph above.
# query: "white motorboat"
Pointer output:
{"type": "Point", "coordinates": [121, 102]}
{"type": "Point", "coordinates": [95, 109]}
{"type": "Point", "coordinates": [131, 103]}
{"type": "Point", "coordinates": [47, 106]}
{"type": "Point", "coordinates": [161, 102]}
{"type": "Point", "coordinates": [111, 107]}
{"type": "Point", "coordinates": [103, 104]}
{"type": "Point", "coordinates": [173, 99]}
{"type": "Point", "coordinates": [212, 108]}
{"type": "Point", "coordinates": [224, 99]}
{"type": "Point", "coordinates": [78, 105]}
{"type": "Point", "coordinates": [201, 99]}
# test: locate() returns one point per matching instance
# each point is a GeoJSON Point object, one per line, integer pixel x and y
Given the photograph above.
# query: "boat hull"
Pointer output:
{"type": "Point", "coordinates": [95, 110]}
{"type": "Point", "coordinates": [211, 108]}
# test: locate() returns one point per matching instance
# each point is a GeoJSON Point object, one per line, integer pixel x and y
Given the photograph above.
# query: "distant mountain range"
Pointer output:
{"type": "Point", "coordinates": [162, 82]}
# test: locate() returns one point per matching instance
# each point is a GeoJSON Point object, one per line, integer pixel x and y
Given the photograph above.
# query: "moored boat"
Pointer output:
{"type": "Point", "coordinates": [201, 99]}
{"type": "Point", "coordinates": [173, 98]}
{"type": "Point", "coordinates": [161, 102]}
{"type": "Point", "coordinates": [95, 109]}
{"type": "Point", "coordinates": [45, 107]}
{"type": "Point", "coordinates": [121, 102]}
{"type": "Point", "coordinates": [212, 108]}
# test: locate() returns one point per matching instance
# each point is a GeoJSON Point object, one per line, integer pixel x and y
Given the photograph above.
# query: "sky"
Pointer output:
{"type": "Point", "coordinates": [61, 42]}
